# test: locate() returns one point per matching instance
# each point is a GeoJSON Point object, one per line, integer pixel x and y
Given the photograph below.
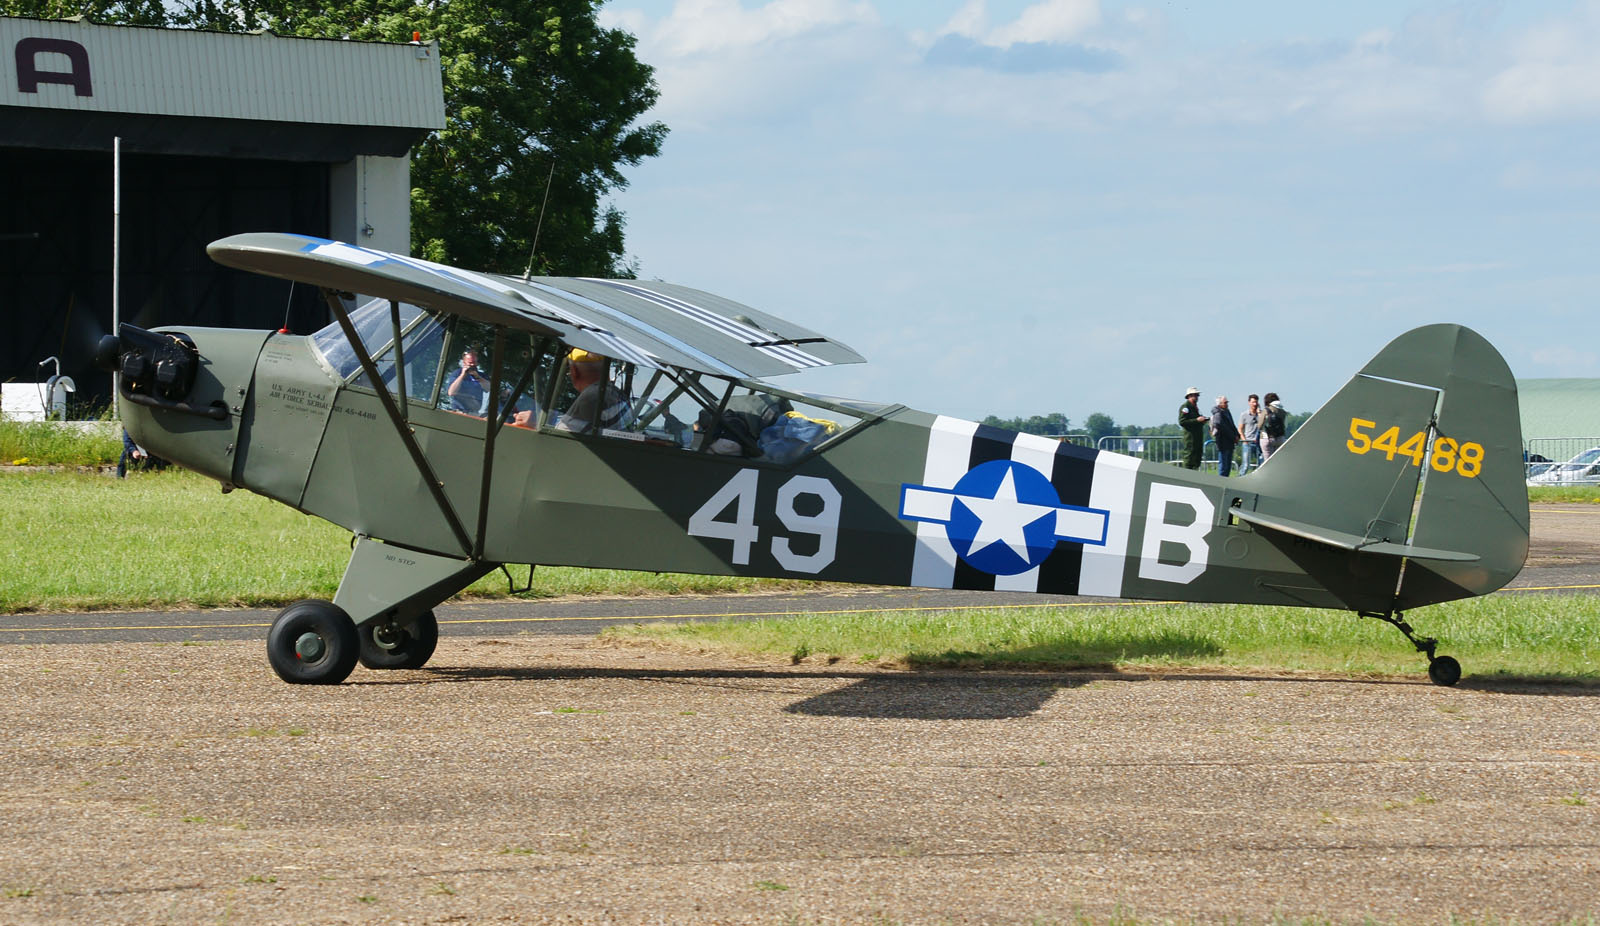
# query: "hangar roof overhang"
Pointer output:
{"type": "Point", "coordinates": [74, 84]}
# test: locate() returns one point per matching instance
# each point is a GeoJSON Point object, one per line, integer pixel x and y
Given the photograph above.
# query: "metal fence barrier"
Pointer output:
{"type": "Point", "coordinates": [1169, 449]}
{"type": "Point", "coordinates": [1152, 449]}
{"type": "Point", "coordinates": [1562, 460]}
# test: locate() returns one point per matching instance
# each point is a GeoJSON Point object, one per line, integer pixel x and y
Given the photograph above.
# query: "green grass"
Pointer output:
{"type": "Point", "coordinates": [82, 541]}
{"type": "Point", "coordinates": [1588, 494]}
{"type": "Point", "coordinates": [1512, 635]}
{"type": "Point", "coordinates": [43, 444]}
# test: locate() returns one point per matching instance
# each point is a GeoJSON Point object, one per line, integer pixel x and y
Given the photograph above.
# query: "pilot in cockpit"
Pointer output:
{"type": "Point", "coordinates": [598, 403]}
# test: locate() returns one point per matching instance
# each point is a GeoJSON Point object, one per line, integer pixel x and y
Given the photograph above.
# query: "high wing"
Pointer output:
{"type": "Point", "coordinates": [648, 323]}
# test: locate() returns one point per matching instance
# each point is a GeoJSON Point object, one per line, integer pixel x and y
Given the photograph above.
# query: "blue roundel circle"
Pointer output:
{"type": "Point", "coordinates": [1004, 519]}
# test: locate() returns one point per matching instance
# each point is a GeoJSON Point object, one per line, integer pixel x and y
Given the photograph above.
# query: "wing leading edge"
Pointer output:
{"type": "Point", "coordinates": [644, 322]}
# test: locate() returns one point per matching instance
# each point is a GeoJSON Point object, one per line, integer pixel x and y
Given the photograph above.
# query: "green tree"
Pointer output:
{"type": "Point", "coordinates": [533, 89]}
{"type": "Point", "coordinates": [1099, 425]}
{"type": "Point", "coordinates": [111, 12]}
{"type": "Point", "coordinates": [1054, 424]}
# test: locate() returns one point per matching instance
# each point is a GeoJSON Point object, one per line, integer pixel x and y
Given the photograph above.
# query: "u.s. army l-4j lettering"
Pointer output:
{"type": "Point", "coordinates": [457, 421]}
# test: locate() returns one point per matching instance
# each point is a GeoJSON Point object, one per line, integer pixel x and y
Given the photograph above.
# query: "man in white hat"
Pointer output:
{"type": "Point", "coordinates": [1193, 421]}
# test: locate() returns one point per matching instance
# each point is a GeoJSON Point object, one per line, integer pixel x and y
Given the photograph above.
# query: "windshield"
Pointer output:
{"type": "Point", "coordinates": [372, 324]}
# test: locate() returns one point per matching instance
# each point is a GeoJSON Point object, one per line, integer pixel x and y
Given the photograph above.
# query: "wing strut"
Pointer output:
{"type": "Point", "coordinates": [491, 429]}
{"type": "Point", "coordinates": [494, 421]}
{"type": "Point", "coordinates": [399, 359]}
{"type": "Point", "coordinates": [435, 488]}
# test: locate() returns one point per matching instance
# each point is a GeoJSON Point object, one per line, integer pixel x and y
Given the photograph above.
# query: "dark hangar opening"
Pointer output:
{"type": "Point", "coordinates": [56, 250]}
{"type": "Point", "coordinates": [221, 134]}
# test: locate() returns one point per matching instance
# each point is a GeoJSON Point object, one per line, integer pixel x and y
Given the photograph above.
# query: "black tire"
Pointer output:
{"type": "Point", "coordinates": [399, 646]}
{"type": "Point", "coordinates": [1444, 671]}
{"type": "Point", "coordinates": [313, 642]}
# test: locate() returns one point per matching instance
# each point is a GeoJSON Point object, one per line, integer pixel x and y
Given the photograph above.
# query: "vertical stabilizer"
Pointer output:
{"type": "Point", "coordinates": [1475, 500]}
{"type": "Point", "coordinates": [1436, 408]}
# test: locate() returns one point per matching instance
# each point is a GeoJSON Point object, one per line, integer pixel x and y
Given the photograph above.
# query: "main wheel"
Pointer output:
{"type": "Point", "coordinates": [1445, 671]}
{"type": "Point", "coordinates": [313, 642]}
{"type": "Point", "coordinates": [387, 645]}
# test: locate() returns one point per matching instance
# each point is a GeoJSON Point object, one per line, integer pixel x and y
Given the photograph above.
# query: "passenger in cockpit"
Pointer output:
{"type": "Point", "coordinates": [468, 388]}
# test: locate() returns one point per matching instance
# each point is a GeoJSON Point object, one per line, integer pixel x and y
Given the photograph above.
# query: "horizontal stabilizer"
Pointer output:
{"type": "Point", "coordinates": [1354, 542]}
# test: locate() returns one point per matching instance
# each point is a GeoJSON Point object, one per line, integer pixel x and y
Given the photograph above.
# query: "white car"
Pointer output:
{"type": "Point", "coordinates": [1581, 470]}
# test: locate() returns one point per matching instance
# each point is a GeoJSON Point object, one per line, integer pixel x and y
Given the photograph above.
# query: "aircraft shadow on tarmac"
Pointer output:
{"type": "Point", "coordinates": [936, 688]}
{"type": "Point", "coordinates": [923, 697]}
{"type": "Point", "coordinates": [940, 692]}
{"type": "Point", "coordinates": [947, 695]}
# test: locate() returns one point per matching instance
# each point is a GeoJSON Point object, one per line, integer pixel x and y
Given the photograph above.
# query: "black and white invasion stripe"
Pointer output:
{"type": "Point", "coordinates": [1082, 477]}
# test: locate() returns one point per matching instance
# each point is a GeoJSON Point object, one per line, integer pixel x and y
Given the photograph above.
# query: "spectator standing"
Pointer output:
{"type": "Point", "coordinates": [1273, 426]}
{"type": "Point", "coordinates": [1193, 422]}
{"type": "Point", "coordinates": [1225, 434]}
{"type": "Point", "coordinates": [1250, 434]}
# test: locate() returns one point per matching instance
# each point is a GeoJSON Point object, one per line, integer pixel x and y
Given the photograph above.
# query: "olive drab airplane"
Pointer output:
{"type": "Point", "coordinates": [456, 421]}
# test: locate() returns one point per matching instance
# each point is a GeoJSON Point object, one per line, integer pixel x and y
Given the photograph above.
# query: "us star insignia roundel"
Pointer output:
{"type": "Point", "coordinates": [1001, 511]}
{"type": "Point", "coordinates": [1003, 517]}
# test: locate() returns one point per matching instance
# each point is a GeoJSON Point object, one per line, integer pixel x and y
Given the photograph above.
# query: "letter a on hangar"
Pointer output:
{"type": "Point", "coordinates": [30, 75]}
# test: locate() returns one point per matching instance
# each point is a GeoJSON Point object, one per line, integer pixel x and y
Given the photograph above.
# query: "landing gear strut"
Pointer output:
{"type": "Point", "coordinates": [1442, 670]}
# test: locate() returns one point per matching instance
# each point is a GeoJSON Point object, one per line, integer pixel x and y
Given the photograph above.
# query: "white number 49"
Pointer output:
{"type": "Point", "coordinates": [742, 531]}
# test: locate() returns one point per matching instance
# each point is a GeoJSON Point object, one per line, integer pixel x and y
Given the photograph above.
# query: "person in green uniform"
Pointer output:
{"type": "Point", "coordinates": [1193, 421]}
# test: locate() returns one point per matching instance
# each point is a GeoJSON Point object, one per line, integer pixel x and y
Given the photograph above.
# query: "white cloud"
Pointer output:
{"type": "Point", "coordinates": [971, 21]}
{"type": "Point", "coordinates": [770, 62]}
{"type": "Point", "coordinates": [699, 26]}
{"type": "Point", "coordinates": [1047, 21]}
{"type": "Point", "coordinates": [1535, 175]}
{"type": "Point", "coordinates": [1562, 360]}
{"type": "Point", "coordinates": [836, 58]}
{"type": "Point", "coordinates": [1554, 72]}
{"type": "Point", "coordinates": [634, 21]}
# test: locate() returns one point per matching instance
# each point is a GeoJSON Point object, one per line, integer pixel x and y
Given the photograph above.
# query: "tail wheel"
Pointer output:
{"type": "Point", "coordinates": [313, 642]}
{"type": "Point", "coordinates": [393, 645]}
{"type": "Point", "coordinates": [1444, 671]}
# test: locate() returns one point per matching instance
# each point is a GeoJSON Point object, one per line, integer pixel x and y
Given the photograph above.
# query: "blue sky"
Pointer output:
{"type": "Point", "coordinates": [1023, 207]}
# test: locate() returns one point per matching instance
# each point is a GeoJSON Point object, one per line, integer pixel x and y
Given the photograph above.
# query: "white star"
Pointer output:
{"type": "Point", "coordinates": [1003, 519]}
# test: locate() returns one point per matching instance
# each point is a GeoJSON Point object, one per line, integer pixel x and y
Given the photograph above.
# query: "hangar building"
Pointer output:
{"type": "Point", "coordinates": [220, 134]}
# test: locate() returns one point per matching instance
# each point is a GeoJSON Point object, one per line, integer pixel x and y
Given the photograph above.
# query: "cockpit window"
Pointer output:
{"type": "Point", "coordinates": [449, 364]}
{"type": "Point", "coordinates": [422, 340]}
{"type": "Point", "coordinates": [372, 323]}
{"type": "Point", "coordinates": [469, 365]}
{"type": "Point", "coordinates": [682, 409]}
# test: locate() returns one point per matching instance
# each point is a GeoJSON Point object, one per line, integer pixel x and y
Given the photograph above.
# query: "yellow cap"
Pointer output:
{"type": "Point", "coordinates": [579, 355]}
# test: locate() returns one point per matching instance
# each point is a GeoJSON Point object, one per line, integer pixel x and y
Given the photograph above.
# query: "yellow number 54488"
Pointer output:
{"type": "Point", "coordinates": [1463, 458]}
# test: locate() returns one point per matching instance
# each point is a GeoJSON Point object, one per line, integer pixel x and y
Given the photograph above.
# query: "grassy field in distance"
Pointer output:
{"type": "Point", "coordinates": [1520, 635]}
{"type": "Point", "coordinates": [74, 541]}
{"type": "Point", "coordinates": [1548, 494]}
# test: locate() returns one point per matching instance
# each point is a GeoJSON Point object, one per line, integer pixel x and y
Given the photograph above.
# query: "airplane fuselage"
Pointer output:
{"type": "Point", "coordinates": [907, 499]}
